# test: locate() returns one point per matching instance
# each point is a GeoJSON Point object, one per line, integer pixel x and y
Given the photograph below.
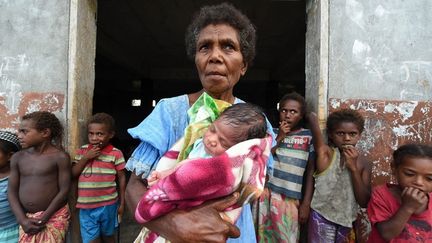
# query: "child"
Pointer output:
{"type": "Point", "coordinates": [98, 165]}
{"type": "Point", "coordinates": [219, 164]}
{"type": "Point", "coordinates": [403, 212]}
{"type": "Point", "coordinates": [236, 124]}
{"type": "Point", "coordinates": [40, 180]}
{"type": "Point", "coordinates": [9, 145]}
{"type": "Point", "coordinates": [342, 180]}
{"type": "Point", "coordinates": [279, 209]}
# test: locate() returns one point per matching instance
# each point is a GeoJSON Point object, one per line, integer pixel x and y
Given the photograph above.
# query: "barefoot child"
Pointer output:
{"type": "Point", "coordinates": [40, 180]}
{"type": "Point", "coordinates": [402, 212]}
{"type": "Point", "coordinates": [282, 207]}
{"type": "Point", "coordinates": [98, 165]}
{"type": "Point", "coordinates": [342, 179]}
{"type": "Point", "coordinates": [9, 145]}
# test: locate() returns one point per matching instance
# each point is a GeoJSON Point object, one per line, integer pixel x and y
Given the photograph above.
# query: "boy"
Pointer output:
{"type": "Point", "coordinates": [39, 181]}
{"type": "Point", "coordinates": [98, 165]}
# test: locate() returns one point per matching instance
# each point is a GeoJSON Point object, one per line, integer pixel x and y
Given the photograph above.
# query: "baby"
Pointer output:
{"type": "Point", "coordinates": [210, 171]}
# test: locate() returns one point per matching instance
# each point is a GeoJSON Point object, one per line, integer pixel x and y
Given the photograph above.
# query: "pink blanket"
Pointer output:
{"type": "Point", "coordinates": [241, 168]}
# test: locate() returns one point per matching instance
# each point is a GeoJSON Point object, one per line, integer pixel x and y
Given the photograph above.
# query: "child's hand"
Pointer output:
{"type": "Point", "coordinates": [92, 153]}
{"type": "Point", "coordinates": [414, 200]}
{"type": "Point", "coordinates": [303, 214]}
{"type": "Point", "coordinates": [284, 128]}
{"type": "Point", "coordinates": [351, 154]}
{"type": "Point", "coordinates": [120, 212]}
{"type": "Point", "coordinates": [31, 226]}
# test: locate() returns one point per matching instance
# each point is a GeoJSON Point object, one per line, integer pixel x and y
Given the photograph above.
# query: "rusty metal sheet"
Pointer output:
{"type": "Point", "coordinates": [388, 125]}
{"type": "Point", "coordinates": [10, 114]}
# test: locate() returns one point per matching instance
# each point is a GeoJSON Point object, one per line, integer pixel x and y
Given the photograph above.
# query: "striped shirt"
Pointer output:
{"type": "Point", "coordinates": [290, 163]}
{"type": "Point", "coordinates": [97, 182]}
{"type": "Point", "coordinates": [7, 218]}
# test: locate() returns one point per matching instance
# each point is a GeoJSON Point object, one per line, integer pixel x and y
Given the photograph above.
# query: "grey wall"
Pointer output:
{"type": "Point", "coordinates": [35, 34]}
{"type": "Point", "coordinates": [313, 52]}
{"type": "Point", "coordinates": [380, 49]}
{"type": "Point", "coordinates": [33, 57]}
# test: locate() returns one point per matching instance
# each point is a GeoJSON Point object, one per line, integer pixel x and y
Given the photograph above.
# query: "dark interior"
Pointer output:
{"type": "Point", "coordinates": [141, 54]}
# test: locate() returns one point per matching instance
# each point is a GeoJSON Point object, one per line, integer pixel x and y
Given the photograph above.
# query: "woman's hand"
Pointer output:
{"type": "Point", "coordinates": [200, 224]}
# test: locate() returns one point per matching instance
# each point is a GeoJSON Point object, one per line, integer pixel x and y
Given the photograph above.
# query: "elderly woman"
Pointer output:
{"type": "Point", "coordinates": [221, 40]}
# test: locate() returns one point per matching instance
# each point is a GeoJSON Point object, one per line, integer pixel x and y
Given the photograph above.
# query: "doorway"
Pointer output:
{"type": "Point", "coordinates": [140, 55]}
{"type": "Point", "coordinates": [141, 58]}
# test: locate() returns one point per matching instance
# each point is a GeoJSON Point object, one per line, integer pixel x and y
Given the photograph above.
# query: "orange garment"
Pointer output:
{"type": "Point", "coordinates": [55, 229]}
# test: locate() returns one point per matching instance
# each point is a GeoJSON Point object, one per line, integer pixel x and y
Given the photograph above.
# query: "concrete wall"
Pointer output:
{"type": "Point", "coordinates": [317, 60]}
{"type": "Point", "coordinates": [33, 54]}
{"type": "Point", "coordinates": [381, 49]}
{"type": "Point", "coordinates": [374, 57]}
{"type": "Point", "coordinates": [380, 63]}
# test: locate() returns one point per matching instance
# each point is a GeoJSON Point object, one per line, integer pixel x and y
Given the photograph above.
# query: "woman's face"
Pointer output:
{"type": "Point", "coordinates": [219, 60]}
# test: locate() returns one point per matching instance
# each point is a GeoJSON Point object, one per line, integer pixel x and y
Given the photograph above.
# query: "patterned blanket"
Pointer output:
{"type": "Point", "coordinates": [194, 181]}
{"type": "Point", "coordinates": [241, 168]}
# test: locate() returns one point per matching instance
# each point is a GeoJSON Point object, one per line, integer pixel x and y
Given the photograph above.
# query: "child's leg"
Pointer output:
{"type": "Point", "coordinates": [320, 229]}
{"type": "Point", "coordinates": [109, 223]}
{"type": "Point", "coordinates": [345, 235]}
{"type": "Point", "coordinates": [90, 230]}
{"type": "Point", "coordinates": [108, 239]}
{"type": "Point", "coordinates": [277, 218]}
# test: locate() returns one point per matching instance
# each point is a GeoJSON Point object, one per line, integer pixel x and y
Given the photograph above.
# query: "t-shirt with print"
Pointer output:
{"type": "Point", "coordinates": [97, 183]}
{"type": "Point", "coordinates": [383, 205]}
{"type": "Point", "coordinates": [292, 156]}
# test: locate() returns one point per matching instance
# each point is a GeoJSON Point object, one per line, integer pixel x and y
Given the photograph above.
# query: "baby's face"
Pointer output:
{"type": "Point", "coordinates": [219, 137]}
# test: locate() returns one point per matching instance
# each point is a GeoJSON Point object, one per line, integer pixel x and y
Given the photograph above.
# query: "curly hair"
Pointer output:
{"type": "Point", "coordinates": [345, 115]}
{"type": "Point", "coordinates": [103, 118]}
{"type": "Point", "coordinates": [296, 97]}
{"type": "Point", "coordinates": [248, 119]}
{"type": "Point", "coordinates": [224, 13]}
{"type": "Point", "coordinates": [47, 120]}
{"type": "Point", "coordinates": [8, 147]}
{"type": "Point", "coordinates": [411, 150]}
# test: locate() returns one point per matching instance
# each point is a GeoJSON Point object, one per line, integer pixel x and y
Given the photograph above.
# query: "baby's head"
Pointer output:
{"type": "Point", "coordinates": [344, 127]}
{"type": "Point", "coordinates": [412, 166]}
{"type": "Point", "coordinates": [100, 129]}
{"type": "Point", "coordinates": [237, 123]}
{"type": "Point", "coordinates": [9, 144]}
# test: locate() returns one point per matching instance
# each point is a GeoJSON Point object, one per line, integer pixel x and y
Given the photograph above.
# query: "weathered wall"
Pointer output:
{"type": "Point", "coordinates": [317, 57]}
{"type": "Point", "coordinates": [380, 63]}
{"type": "Point", "coordinates": [380, 50]}
{"type": "Point", "coordinates": [388, 125]}
{"type": "Point", "coordinates": [33, 59]}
